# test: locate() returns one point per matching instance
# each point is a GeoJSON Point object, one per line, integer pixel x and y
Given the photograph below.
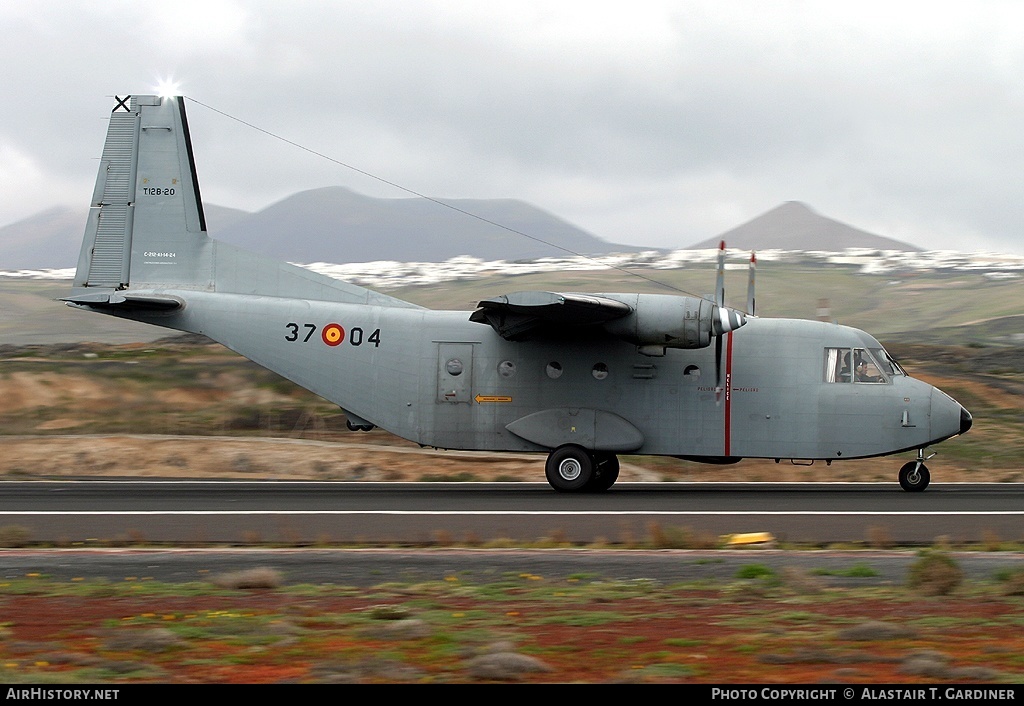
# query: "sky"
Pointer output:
{"type": "Point", "coordinates": [648, 123]}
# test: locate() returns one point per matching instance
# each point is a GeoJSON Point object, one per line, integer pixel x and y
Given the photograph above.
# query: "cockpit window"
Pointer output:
{"type": "Point", "coordinates": [857, 365]}
{"type": "Point", "coordinates": [887, 362]}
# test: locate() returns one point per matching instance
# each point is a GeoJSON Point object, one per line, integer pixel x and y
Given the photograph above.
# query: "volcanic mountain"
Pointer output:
{"type": "Point", "coordinates": [795, 226]}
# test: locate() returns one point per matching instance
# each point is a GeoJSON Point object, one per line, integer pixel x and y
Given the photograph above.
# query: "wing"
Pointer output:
{"type": "Point", "coordinates": [522, 315]}
{"type": "Point", "coordinates": [653, 322]}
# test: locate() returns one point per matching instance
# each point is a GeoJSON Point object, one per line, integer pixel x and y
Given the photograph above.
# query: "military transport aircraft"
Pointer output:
{"type": "Point", "coordinates": [583, 377]}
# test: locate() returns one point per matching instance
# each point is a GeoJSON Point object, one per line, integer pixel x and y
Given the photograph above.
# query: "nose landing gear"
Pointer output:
{"type": "Point", "coordinates": [914, 476]}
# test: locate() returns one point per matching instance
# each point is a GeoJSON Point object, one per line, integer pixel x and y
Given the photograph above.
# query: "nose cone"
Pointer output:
{"type": "Point", "coordinates": [949, 418]}
{"type": "Point", "coordinates": [966, 420]}
{"type": "Point", "coordinates": [726, 320]}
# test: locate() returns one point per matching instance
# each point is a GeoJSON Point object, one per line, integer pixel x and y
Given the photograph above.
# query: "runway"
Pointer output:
{"type": "Point", "coordinates": [90, 512]}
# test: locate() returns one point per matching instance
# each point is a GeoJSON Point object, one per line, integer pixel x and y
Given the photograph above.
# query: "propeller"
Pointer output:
{"type": "Point", "coordinates": [720, 304]}
{"type": "Point", "coordinates": [725, 319]}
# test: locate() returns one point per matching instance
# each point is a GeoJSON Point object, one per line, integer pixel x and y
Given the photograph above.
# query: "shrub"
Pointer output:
{"type": "Point", "coordinates": [1014, 584]}
{"type": "Point", "coordinates": [249, 579]}
{"type": "Point", "coordinates": [755, 571]}
{"type": "Point", "coordinates": [935, 574]}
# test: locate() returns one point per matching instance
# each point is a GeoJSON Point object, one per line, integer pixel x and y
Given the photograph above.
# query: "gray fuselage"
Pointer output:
{"type": "Point", "coordinates": [393, 367]}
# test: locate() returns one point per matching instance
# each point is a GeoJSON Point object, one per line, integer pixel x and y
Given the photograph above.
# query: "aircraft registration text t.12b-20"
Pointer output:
{"type": "Point", "coordinates": [583, 377]}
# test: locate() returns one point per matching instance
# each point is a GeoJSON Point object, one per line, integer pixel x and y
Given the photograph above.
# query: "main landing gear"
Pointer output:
{"type": "Point", "coordinates": [914, 476]}
{"type": "Point", "coordinates": [574, 469]}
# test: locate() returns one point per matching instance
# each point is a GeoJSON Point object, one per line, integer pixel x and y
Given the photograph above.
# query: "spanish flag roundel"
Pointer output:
{"type": "Point", "coordinates": [333, 334]}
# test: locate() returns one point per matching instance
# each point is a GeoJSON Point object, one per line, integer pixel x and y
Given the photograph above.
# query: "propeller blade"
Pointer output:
{"type": "Point", "coordinates": [750, 283]}
{"type": "Point", "coordinates": [718, 369]}
{"type": "Point", "coordinates": [720, 281]}
{"type": "Point", "coordinates": [724, 319]}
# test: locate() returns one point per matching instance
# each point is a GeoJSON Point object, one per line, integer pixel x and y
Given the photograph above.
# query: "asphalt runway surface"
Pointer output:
{"type": "Point", "coordinates": [91, 512]}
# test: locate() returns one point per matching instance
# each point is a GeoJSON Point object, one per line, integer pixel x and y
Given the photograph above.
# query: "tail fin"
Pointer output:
{"type": "Point", "coordinates": [147, 231]}
{"type": "Point", "coordinates": [146, 225]}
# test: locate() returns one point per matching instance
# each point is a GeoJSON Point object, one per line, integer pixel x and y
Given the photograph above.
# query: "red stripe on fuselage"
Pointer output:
{"type": "Point", "coordinates": [728, 395]}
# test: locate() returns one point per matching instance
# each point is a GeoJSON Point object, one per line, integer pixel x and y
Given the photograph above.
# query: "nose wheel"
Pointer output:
{"type": "Point", "coordinates": [914, 476]}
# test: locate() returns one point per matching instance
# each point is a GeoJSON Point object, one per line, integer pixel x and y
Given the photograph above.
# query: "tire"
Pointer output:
{"type": "Point", "coordinates": [606, 472]}
{"type": "Point", "coordinates": [914, 477]}
{"type": "Point", "coordinates": [569, 468]}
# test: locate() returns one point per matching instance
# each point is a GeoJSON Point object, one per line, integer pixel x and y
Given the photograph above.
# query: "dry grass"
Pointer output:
{"type": "Point", "coordinates": [680, 538]}
{"type": "Point", "coordinates": [14, 536]}
{"type": "Point", "coordinates": [879, 537]}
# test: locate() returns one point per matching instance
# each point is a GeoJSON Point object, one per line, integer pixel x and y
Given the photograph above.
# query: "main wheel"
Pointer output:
{"type": "Point", "coordinates": [914, 477]}
{"type": "Point", "coordinates": [569, 468]}
{"type": "Point", "coordinates": [606, 471]}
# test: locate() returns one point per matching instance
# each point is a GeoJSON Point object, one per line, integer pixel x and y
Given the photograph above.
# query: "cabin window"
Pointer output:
{"type": "Point", "coordinates": [506, 368]}
{"type": "Point", "coordinates": [454, 367]}
{"type": "Point", "coordinates": [554, 370]}
{"type": "Point", "coordinates": [600, 371]}
{"type": "Point", "coordinates": [856, 365]}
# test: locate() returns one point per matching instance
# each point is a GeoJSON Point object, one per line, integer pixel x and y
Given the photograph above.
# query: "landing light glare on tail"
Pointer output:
{"type": "Point", "coordinates": [582, 377]}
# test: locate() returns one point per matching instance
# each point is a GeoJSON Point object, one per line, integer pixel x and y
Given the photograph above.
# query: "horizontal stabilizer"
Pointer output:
{"type": "Point", "coordinates": [125, 302]}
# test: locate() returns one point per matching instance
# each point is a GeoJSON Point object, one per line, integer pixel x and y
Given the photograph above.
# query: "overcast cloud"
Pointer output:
{"type": "Point", "coordinates": [655, 123]}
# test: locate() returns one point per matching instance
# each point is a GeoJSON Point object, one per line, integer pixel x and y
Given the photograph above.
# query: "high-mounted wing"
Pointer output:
{"type": "Point", "coordinates": [518, 315]}
{"type": "Point", "coordinates": [653, 322]}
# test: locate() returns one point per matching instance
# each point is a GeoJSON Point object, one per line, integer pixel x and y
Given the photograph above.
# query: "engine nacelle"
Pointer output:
{"type": "Point", "coordinates": [660, 321]}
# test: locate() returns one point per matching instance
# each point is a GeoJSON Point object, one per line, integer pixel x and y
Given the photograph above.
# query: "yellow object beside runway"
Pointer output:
{"type": "Point", "coordinates": [748, 539]}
